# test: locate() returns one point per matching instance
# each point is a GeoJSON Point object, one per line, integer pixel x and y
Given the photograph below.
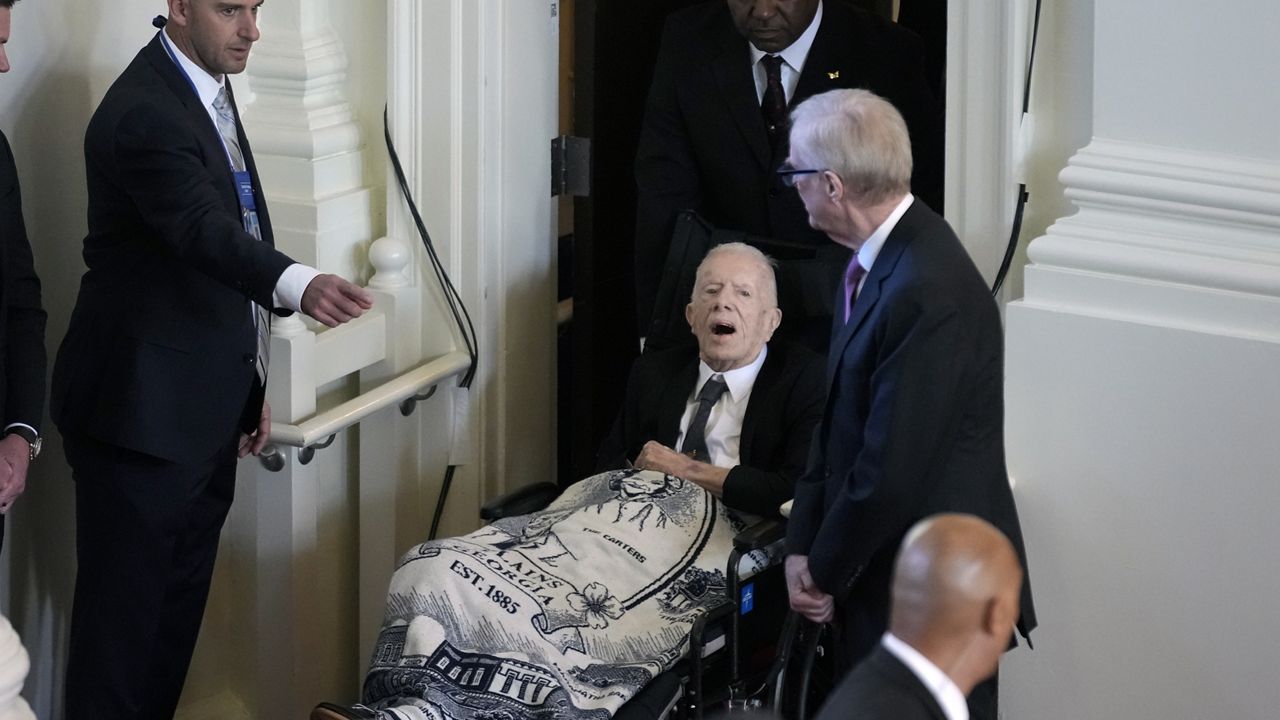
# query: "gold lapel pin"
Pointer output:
{"type": "Point", "coordinates": [833, 75]}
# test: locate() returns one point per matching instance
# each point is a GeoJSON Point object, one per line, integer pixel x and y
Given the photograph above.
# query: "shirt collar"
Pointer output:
{"type": "Point", "coordinates": [870, 249]}
{"type": "Point", "coordinates": [740, 380]}
{"type": "Point", "coordinates": [797, 52]}
{"type": "Point", "coordinates": [931, 676]}
{"type": "Point", "coordinates": [206, 85]}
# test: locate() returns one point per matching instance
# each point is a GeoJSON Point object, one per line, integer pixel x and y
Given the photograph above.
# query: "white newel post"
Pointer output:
{"type": "Point", "coordinates": [1144, 379]}
{"type": "Point", "coordinates": [14, 665]}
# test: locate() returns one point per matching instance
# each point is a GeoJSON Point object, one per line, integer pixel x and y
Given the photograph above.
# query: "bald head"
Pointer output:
{"type": "Point", "coordinates": [956, 593]}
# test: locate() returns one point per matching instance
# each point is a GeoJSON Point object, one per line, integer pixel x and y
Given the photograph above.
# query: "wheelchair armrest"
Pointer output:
{"type": "Point", "coordinates": [760, 535]}
{"type": "Point", "coordinates": [519, 502]}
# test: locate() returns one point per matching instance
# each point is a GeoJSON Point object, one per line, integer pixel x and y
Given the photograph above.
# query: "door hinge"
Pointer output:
{"type": "Point", "coordinates": [570, 166]}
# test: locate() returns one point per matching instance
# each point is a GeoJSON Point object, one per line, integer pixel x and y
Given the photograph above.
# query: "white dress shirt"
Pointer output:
{"type": "Point", "coordinates": [295, 278]}
{"type": "Point", "coordinates": [931, 676]}
{"type": "Point", "coordinates": [870, 249]}
{"type": "Point", "coordinates": [724, 424]}
{"type": "Point", "coordinates": [793, 58]}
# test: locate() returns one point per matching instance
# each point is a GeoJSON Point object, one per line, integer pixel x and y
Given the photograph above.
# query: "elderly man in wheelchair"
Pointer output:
{"type": "Point", "coordinates": [568, 611]}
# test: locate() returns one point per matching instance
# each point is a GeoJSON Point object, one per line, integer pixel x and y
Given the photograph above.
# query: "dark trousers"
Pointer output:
{"type": "Point", "coordinates": [146, 539]}
{"type": "Point", "coordinates": [862, 623]}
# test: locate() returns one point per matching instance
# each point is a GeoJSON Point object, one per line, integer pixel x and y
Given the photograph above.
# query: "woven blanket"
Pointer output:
{"type": "Point", "coordinates": [564, 613]}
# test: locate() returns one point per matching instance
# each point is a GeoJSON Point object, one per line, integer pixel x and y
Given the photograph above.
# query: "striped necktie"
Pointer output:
{"type": "Point", "coordinates": [231, 139]}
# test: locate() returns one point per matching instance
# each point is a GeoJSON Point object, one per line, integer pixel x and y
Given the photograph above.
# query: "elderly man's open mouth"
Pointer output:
{"type": "Point", "coordinates": [723, 328]}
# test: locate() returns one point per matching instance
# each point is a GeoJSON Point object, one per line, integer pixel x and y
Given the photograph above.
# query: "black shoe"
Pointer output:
{"type": "Point", "coordinates": [329, 711]}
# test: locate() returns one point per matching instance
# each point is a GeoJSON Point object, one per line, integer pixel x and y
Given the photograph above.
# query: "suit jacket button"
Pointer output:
{"type": "Point", "coordinates": [826, 472]}
{"type": "Point", "coordinates": [249, 358]}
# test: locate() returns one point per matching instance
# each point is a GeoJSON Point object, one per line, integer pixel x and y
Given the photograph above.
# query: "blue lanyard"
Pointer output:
{"type": "Point", "coordinates": [176, 63]}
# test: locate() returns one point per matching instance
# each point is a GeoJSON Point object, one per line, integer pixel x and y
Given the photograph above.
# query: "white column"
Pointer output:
{"type": "Point", "coordinates": [306, 141]}
{"type": "Point", "coordinates": [1143, 381]}
{"type": "Point", "coordinates": [985, 71]}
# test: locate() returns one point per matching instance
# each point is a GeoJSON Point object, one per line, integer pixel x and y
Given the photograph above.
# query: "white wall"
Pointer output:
{"type": "Point", "coordinates": [1141, 369]}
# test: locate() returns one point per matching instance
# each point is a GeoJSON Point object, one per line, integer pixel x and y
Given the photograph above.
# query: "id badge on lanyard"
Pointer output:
{"type": "Point", "coordinates": [248, 205]}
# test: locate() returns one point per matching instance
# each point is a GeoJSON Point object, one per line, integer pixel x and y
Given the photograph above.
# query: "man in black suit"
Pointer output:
{"type": "Point", "coordinates": [22, 319]}
{"type": "Point", "coordinates": [159, 383]}
{"type": "Point", "coordinates": [758, 430]}
{"type": "Point", "coordinates": [715, 124]}
{"type": "Point", "coordinates": [955, 601]}
{"type": "Point", "coordinates": [914, 418]}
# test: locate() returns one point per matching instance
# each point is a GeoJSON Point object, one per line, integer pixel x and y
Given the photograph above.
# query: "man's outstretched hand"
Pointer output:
{"type": "Point", "coordinates": [331, 300]}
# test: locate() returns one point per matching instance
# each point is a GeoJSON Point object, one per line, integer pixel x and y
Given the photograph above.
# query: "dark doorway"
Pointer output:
{"type": "Point", "coordinates": [614, 47]}
{"type": "Point", "coordinates": [616, 44]}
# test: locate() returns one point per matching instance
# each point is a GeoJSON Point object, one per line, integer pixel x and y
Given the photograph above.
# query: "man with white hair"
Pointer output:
{"type": "Point", "coordinates": [914, 420]}
{"type": "Point", "coordinates": [754, 438]}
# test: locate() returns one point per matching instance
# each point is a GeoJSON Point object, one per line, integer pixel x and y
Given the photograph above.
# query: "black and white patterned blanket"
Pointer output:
{"type": "Point", "coordinates": [564, 613]}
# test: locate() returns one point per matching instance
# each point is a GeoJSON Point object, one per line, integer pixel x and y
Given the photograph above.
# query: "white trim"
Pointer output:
{"type": "Point", "coordinates": [986, 47]}
{"type": "Point", "coordinates": [1169, 215]}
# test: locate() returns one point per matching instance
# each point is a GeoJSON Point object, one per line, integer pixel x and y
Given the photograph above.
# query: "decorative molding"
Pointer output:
{"type": "Point", "coordinates": [298, 107]}
{"type": "Point", "coordinates": [1168, 216]}
{"type": "Point", "coordinates": [307, 142]}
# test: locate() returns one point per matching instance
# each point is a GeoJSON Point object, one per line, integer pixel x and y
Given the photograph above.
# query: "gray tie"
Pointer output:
{"type": "Point", "coordinates": [227, 128]}
{"type": "Point", "coordinates": [695, 439]}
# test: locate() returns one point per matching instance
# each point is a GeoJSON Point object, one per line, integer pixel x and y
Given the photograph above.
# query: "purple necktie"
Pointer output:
{"type": "Point", "coordinates": [852, 276]}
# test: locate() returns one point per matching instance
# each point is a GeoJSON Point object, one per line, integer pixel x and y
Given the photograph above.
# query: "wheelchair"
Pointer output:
{"type": "Point", "coordinates": [728, 661]}
{"type": "Point", "coordinates": [750, 652]}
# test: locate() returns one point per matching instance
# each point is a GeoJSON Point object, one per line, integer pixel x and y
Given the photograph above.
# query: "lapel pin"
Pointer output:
{"type": "Point", "coordinates": [833, 75]}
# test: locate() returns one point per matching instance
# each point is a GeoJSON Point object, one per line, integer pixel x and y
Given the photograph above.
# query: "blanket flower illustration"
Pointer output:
{"type": "Point", "coordinates": [597, 604]}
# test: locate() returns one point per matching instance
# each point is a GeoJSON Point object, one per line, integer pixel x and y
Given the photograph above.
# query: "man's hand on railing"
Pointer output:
{"type": "Point", "coordinates": [258, 440]}
{"type": "Point", "coordinates": [332, 300]}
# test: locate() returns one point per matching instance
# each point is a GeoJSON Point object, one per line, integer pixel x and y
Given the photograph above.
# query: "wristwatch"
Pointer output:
{"type": "Point", "coordinates": [32, 438]}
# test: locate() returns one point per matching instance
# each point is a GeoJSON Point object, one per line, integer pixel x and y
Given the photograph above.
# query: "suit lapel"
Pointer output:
{"type": "Point", "coordinates": [671, 404]}
{"type": "Point", "coordinates": [731, 67]}
{"type": "Point", "coordinates": [872, 288]}
{"type": "Point", "coordinates": [206, 132]}
{"type": "Point", "coordinates": [888, 665]}
{"type": "Point", "coordinates": [765, 381]}
{"type": "Point", "coordinates": [826, 67]}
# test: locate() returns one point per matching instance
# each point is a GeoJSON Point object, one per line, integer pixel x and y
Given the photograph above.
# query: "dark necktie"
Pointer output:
{"type": "Point", "coordinates": [773, 106]}
{"type": "Point", "coordinates": [852, 276]}
{"type": "Point", "coordinates": [695, 439]}
{"type": "Point", "coordinates": [227, 129]}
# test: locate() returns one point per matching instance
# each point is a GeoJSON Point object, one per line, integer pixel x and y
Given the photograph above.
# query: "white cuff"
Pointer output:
{"type": "Point", "coordinates": [17, 424]}
{"type": "Point", "coordinates": [292, 283]}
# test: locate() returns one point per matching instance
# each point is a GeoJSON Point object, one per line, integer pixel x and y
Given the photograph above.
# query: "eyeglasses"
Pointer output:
{"type": "Point", "coordinates": [789, 175]}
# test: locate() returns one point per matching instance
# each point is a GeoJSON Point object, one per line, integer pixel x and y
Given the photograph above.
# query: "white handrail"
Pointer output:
{"type": "Point", "coordinates": [320, 426]}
